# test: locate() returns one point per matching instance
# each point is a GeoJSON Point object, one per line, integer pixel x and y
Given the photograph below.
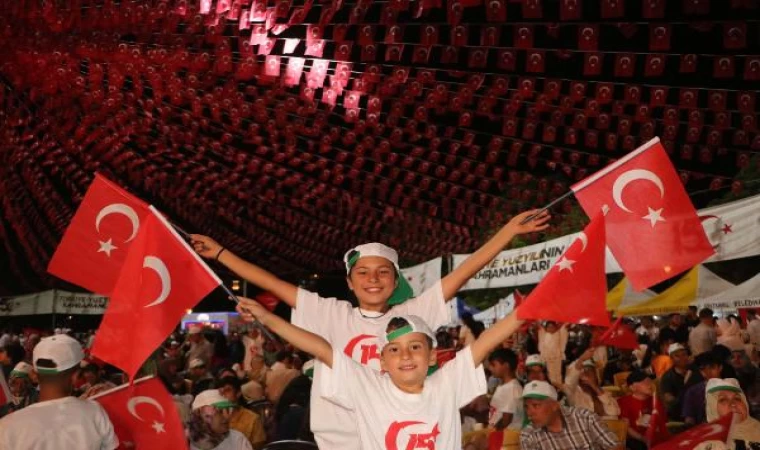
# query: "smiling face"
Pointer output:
{"type": "Point", "coordinates": [730, 402]}
{"type": "Point", "coordinates": [406, 359]}
{"type": "Point", "coordinates": [372, 279]}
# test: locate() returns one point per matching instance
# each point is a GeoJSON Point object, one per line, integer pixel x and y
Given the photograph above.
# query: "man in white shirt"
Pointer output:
{"type": "Point", "coordinates": [59, 421]}
{"type": "Point", "coordinates": [753, 328]}
{"type": "Point", "coordinates": [506, 404]}
{"type": "Point", "coordinates": [198, 347]}
{"type": "Point", "coordinates": [703, 337]}
{"type": "Point", "coordinates": [649, 329]}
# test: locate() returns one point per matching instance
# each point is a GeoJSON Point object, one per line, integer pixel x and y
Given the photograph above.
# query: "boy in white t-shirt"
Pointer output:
{"type": "Point", "coordinates": [373, 274]}
{"type": "Point", "coordinates": [58, 421]}
{"type": "Point", "coordinates": [506, 404]}
{"type": "Point", "coordinates": [402, 408]}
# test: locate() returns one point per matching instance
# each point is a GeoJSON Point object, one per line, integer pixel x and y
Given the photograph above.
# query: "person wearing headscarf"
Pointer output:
{"type": "Point", "coordinates": [21, 388]}
{"type": "Point", "coordinates": [724, 396]}
{"type": "Point", "coordinates": [209, 426]}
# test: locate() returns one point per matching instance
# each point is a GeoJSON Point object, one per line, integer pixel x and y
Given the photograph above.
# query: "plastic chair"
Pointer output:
{"type": "Point", "coordinates": [290, 445]}
{"type": "Point", "coordinates": [620, 428]}
{"type": "Point", "coordinates": [511, 440]}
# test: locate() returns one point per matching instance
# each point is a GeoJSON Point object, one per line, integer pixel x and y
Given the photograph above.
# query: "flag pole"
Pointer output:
{"type": "Point", "coordinates": [590, 179]}
{"type": "Point", "coordinates": [256, 322]}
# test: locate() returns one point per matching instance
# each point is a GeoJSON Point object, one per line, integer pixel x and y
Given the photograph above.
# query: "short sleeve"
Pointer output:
{"type": "Point", "coordinates": [462, 378]}
{"type": "Point", "coordinates": [528, 441]}
{"type": "Point", "coordinates": [337, 383]}
{"type": "Point", "coordinates": [314, 313]}
{"type": "Point", "coordinates": [105, 427]}
{"type": "Point", "coordinates": [430, 306]}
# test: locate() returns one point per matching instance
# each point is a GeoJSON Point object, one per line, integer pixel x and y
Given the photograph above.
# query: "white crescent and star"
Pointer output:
{"type": "Point", "coordinates": [116, 208]}
{"type": "Point", "coordinates": [653, 215]}
{"type": "Point", "coordinates": [158, 266]}
{"type": "Point", "coordinates": [134, 401]}
{"type": "Point", "coordinates": [567, 264]}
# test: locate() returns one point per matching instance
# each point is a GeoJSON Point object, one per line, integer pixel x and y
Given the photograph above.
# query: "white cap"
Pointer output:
{"type": "Point", "coordinates": [22, 369]}
{"type": "Point", "coordinates": [540, 390]}
{"type": "Point", "coordinates": [308, 368]}
{"type": "Point", "coordinates": [194, 329]}
{"type": "Point", "coordinates": [211, 397]}
{"type": "Point", "coordinates": [371, 249]}
{"type": "Point", "coordinates": [415, 325]}
{"type": "Point", "coordinates": [62, 349]}
{"type": "Point", "coordinates": [196, 362]}
{"type": "Point", "coordinates": [675, 347]}
{"type": "Point", "coordinates": [535, 360]}
{"type": "Point", "coordinates": [722, 384]}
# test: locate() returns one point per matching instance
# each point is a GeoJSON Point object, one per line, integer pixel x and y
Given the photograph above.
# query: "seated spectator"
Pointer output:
{"type": "Point", "coordinates": [673, 382]}
{"type": "Point", "coordinates": [23, 392]}
{"type": "Point", "coordinates": [583, 391]}
{"type": "Point", "coordinates": [209, 427]}
{"type": "Point", "coordinates": [94, 382]}
{"type": "Point", "coordinates": [506, 409]}
{"type": "Point", "coordinates": [10, 355]}
{"type": "Point", "coordinates": [241, 419]}
{"type": "Point", "coordinates": [252, 391]}
{"type": "Point", "coordinates": [199, 376]}
{"type": "Point", "coordinates": [58, 420]}
{"type": "Point", "coordinates": [749, 379]}
{"type": "Point", "coordinates": [636, 410]}
{"type": "Point", "coordinates": [693, 408]}
{"type": "Point", "coordinates": [283, 361]}
{"type": "Point", "coordinates": [623, 363]}
{"type": "Point", "coordinates": [292, 413]}
{"type": "Point", "coordinates": [725, 396]}
{"type": "Point", "coordinates": [276, 382]}
{"type": "Point", "coordinates": [557, 427]}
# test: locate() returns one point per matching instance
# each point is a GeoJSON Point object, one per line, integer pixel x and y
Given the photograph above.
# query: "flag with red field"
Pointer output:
{"type": "Point", "coordinates": [575, 288]}
{"type": "Point", "coordinates": [714, 431]}
{"type": "Point", "coordinates": [161, 279]}
{"type": "Point", "coordinates": [619, 335]}
{"type": "Point", "coordinates": [144, 416]}
{"type": "Point", "coordinates": [95, 245]}
{"type": "Point", "coordinates": [652, 227]}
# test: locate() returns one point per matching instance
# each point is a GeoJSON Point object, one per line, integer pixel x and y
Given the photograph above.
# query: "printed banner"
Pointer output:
{"type": "Point", "coordinates": [53, 302]}
{"type": "Point", "coordinates": [733, 229]}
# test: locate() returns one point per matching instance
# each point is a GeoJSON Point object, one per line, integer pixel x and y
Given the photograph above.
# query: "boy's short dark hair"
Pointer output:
{"type": "Point", "coordinates": [282, 355]}
{"type": "Point", "coordinates": [229, 381]}
{"type": "Point", "coordinates": [706, 313]}
{"type": "Point", "coordinates": [399, 322]}
{"type": "Point", "coordinates": [706, 359]}
{"type": "Point", "coordinates": [504, 355]}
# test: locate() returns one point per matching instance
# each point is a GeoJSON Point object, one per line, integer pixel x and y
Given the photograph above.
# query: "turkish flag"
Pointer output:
{"type": "Point", "coordinates": [648, 213]}
{"type": "Point", "coordinates": [143, 415]}
{"type": "Point", "coordinates": [161, 279]}
{"type": "Point", "coordinates": [619, 335]}
{"type": "Point", "coordinates": [577, 278]}
{"type": "Point", "coordinates": [5, 392]}
{"type": "Point", "coordinates": [95, 244]}
{"type": "Point", "coordinates": [657, 429]}
{"type": "Point", "coordinates": [714, 431]}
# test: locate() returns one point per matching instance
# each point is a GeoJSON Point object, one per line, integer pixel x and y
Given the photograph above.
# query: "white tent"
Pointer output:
{"type": "Point", "coordinates": [745, 295]}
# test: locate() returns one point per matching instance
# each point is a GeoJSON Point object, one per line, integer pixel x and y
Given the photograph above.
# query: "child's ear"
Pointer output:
{"type": "Point", "coordinates": [433, 360]}
{"type": "Point", "coordinates": [350, 285]}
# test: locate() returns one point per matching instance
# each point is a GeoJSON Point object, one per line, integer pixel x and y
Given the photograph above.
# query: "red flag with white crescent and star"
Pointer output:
{"type": "Point", "coordinates": [95, 244]}
{"type": "Point", "coordinates": [652, 227]}
{"type": "Point", "coordinates": [143, 416]}
{"type": "Point", "coordinates": [619, 335]}
{"type": "Point", "coordinates": [716, 430]}
{"type": "Point", "coordinates": [575, 288]}
{"type": "Point", "coordinates": [161, 279]}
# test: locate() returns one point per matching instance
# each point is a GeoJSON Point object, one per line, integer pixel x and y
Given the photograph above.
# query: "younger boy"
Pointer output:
{"type": "Point", "coordinates": [405, 408]}
{"type": "Point", "coordinates": [506, 405]}
{"type": "Point", "coordinates": [636, 409]}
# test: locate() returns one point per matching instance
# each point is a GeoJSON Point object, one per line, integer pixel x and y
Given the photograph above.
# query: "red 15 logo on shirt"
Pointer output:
{"type": "Point", "coordinates": [416, 441]}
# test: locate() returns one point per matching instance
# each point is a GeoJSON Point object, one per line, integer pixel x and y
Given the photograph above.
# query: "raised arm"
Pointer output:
{"type": "Point", "coordinates": [209, 248]}
{"type": "Point", "coordinates": [452, 282]}
{"type": "Point", "coordinates": [493, 336]}
{"type": "Point", "coordinates": [300, 338]}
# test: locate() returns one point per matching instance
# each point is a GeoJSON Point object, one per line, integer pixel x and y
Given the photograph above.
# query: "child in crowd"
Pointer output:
{"type": "Point", "coordinates": [552, 341]}
{"type": "Point", "coordinates": [373, 274]}
{"type": "Point", "coordinates": [405, 408]}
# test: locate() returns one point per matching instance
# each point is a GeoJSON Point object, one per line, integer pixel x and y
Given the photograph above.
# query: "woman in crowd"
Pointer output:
{"type": "Point", "coordinates": [725, 396]}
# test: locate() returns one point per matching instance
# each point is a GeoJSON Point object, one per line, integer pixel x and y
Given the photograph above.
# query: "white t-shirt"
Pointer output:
{"type": "Point", "coordinates": [507, 399]}
{"type": "Point", "coordinates": [64, 424]}
{"type": "Point", "coordinates": [388, 418]}
{"type": "Point", "coordinates": [234, 441]}
{"type": "Point", "coordinates": [347, 330]}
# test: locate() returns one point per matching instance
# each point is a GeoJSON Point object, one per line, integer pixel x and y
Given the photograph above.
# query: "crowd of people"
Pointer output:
{"type": "Point", "coordinates": [376, 375]}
